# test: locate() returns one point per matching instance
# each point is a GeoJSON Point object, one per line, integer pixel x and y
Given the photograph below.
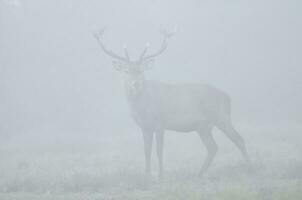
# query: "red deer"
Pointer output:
{"type": "Point", "coordinates": [157, 107]}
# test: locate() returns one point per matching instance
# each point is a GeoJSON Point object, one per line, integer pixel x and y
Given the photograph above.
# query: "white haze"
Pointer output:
{"type": "Point", "coordinates": [63, 106]}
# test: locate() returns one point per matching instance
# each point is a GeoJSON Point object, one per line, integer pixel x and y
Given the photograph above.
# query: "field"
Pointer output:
{"type": "Point", "coordinates": [91, 167]}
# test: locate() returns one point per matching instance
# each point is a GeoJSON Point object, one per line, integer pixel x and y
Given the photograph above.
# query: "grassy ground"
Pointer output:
{"type": "Point", "coordinates": [94, 168]}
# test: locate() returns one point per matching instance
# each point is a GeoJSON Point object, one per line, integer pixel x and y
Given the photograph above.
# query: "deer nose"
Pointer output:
{"type": "Point", "coordinates": [134, 85]}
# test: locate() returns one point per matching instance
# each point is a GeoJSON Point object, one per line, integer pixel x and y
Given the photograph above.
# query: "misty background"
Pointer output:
{"type": "Point", "coordinates": [54, 76]}
{"type": "Point", "coordinates": [65, 125]}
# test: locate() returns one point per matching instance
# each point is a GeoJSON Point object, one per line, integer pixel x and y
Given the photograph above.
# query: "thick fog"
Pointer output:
{"type": "Point", "coordinates": [62, 99]}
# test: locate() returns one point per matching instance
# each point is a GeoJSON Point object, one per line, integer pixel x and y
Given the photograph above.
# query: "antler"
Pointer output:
{"type": "Point", "coordinates": [126, 52]}
{"type": "Point", "coordinates": [144, 51]}
{"type": "Point", "coordinates": [99, 37]}
{"type": "Point", "coordinates": [166, 35]}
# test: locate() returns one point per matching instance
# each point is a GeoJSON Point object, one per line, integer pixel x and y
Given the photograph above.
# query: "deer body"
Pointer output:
{"type": "Point", "coordinates": [183, 108]}
{"type": "Point", "coordinates": [157, 107]}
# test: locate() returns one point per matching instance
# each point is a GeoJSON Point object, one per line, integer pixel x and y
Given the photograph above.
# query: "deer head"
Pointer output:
{"type": "Point", "coordinates": [135, 68]}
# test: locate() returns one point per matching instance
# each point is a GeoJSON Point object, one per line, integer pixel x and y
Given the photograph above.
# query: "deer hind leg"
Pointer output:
{"type": "Point", "coordinates": [206, 137]}
{"type": "Point", "coordinates": [160, 147]}
{"type": "Point", "coordinates": [234, 136]}
{"type": "Point", "coordinates": [148, 139]}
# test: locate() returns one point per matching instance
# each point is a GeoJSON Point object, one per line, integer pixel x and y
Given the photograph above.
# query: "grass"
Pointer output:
{"type": "Point", "coordinates": [172, 192]}
{"type": "Point", "coordinates": [114, 171]}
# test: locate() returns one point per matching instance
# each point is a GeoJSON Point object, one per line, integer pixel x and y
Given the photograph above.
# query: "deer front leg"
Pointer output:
{"type": "Point", "coordinates": [160, 148]}
{"type": "Point", "coordinates": [148, 138]}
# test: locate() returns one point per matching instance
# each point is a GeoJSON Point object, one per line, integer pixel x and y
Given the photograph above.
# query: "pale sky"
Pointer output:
{"type": "Point", "coordinates": [54, 75]}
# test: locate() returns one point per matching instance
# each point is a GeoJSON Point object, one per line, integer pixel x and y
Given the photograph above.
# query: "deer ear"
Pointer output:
{"type": "Point", "coordinates": [119, 66]}
{"type": "Point", "coordinates": [149, 64]}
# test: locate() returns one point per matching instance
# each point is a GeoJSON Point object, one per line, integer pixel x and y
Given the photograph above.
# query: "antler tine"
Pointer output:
{"type": "Point", "coordinates": [102, 31]}
{"type": "Point", "coordinates": [99, 37]}
{"type": "Point", "coordinates": [126, 52]}
{"type": "Point", "coordinates": [166, 35]}
{"type": "Point", "coordinates": [144, 51]}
